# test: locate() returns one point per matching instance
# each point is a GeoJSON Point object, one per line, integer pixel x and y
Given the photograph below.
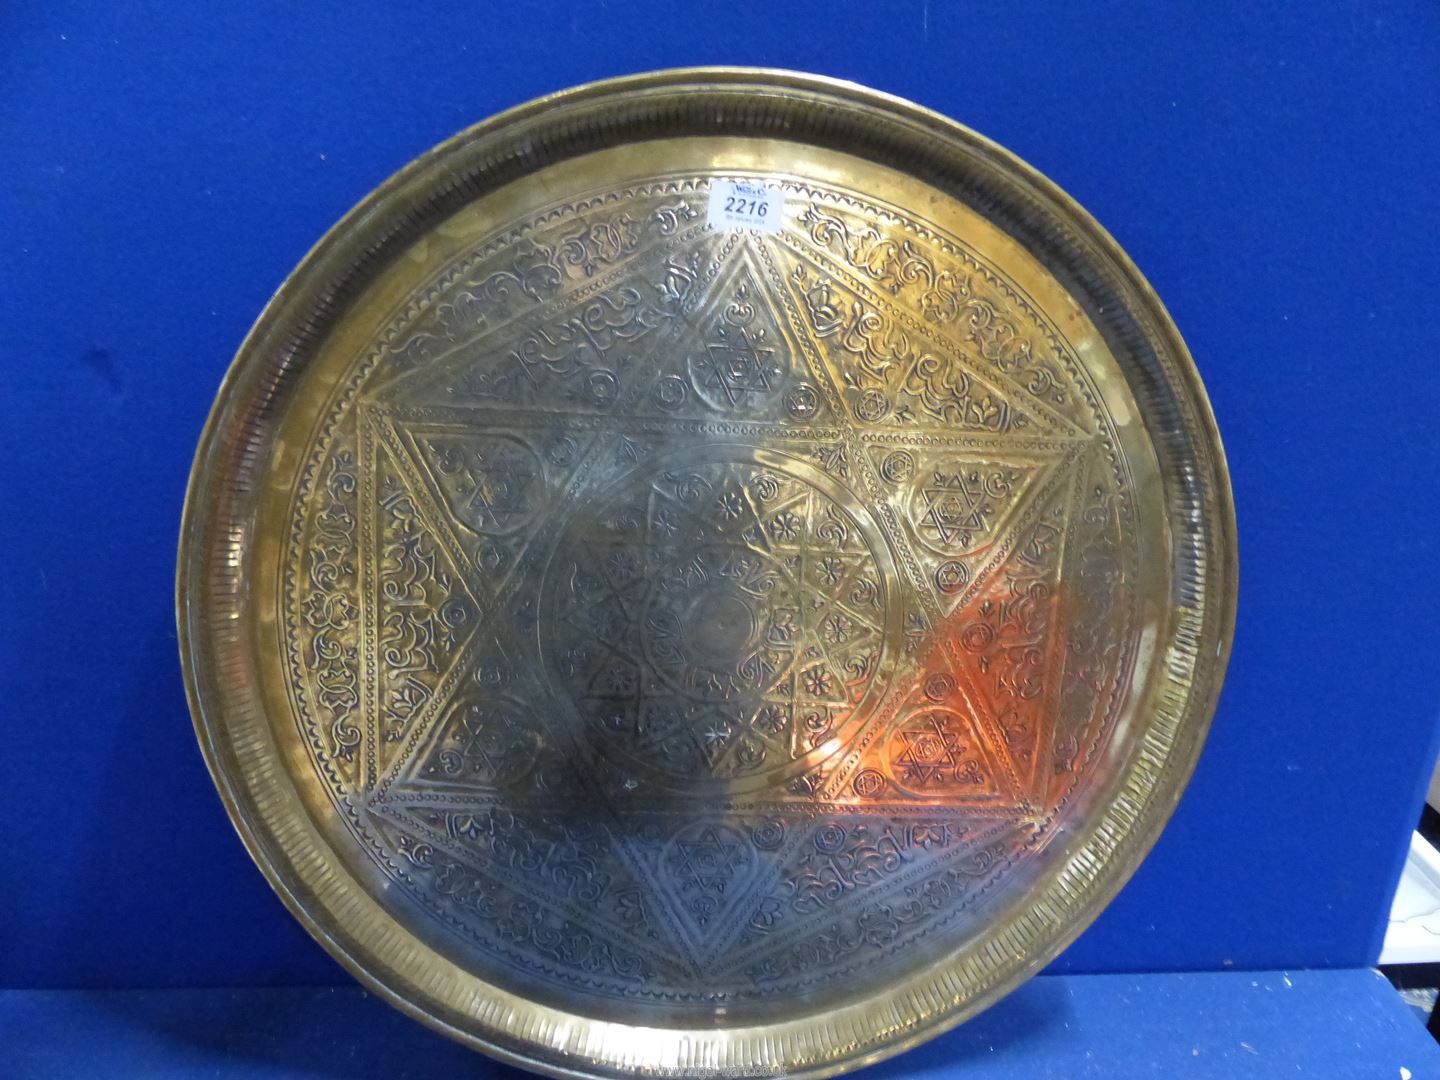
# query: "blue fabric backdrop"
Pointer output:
{"type": "Point", "coordinates": [1274, 175]}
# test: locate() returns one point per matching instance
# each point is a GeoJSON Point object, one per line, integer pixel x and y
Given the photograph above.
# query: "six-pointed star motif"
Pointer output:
{"type": "Point", "coordinates": [932, 752]}
{"type": "Point", "coordinates": [705, 866]}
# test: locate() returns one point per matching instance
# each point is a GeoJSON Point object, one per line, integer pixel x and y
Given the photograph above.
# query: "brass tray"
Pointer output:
{"type": "Point", "coordinates": [714, 572]}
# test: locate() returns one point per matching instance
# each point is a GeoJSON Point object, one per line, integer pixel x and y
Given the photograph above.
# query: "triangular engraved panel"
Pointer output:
{"type": "Point", "coordinates": [894, 373]}
{"type": "Point", "coordinates": [931, 748]}
{"type": "Point", "coordinates": [419, 609]}
{"type": "Point", "coordinates": [1097, 624]}
{"type": "Point", "coordinates": [698, 333]}
{"type": "Point", "coordinates": [984, 319]}
{"type": "Point", "coordinates": [325, 590]}
{"type": "Point", "coordinates": [962, 502]}
{"type": "Point", "coordinates": [564, 259]}
{"type": "Point", "coordinates": [535, 886]}
{"type": "Point", "coordinates": [709, 873]}
{"type": "Point", "coordinates": [498, 484]}
{"type": "Point", "coordinates": [487, 740]}
{"type": "Point", "coordinates": [598, 349]}
{"type": "Point", "coordinates": [848, 876]}
{"type": "Point", "coordinates": [938, 751]}
{"type": "Point", "coordinates": [1011, 638]}
{"type": "Point", "coordinates": [743, 359]}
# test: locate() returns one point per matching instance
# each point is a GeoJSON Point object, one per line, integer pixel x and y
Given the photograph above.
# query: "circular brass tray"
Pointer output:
{"type": "Point", "coordinates": [632, 637]}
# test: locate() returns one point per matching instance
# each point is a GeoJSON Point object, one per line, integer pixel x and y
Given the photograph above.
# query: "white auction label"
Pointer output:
{"type": "Point", "coordinates": [736, 204]}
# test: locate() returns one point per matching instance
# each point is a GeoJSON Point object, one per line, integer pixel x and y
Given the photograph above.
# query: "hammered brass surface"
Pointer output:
{"type": "Point", "coordinates": [629, 642]}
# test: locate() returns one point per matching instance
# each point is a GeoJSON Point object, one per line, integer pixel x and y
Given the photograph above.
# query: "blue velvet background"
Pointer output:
{"type": "Point", "coordinates": [1274, 175]}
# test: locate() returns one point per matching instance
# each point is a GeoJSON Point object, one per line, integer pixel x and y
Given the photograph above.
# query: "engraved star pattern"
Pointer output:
{"type": "Point", "coordinates": [931, 752]}
{"type": "Point", "coordinates": [709, 616]}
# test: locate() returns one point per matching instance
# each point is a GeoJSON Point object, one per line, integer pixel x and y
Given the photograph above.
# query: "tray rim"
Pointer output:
{"type": "Point", "coordinates": [340, 244]}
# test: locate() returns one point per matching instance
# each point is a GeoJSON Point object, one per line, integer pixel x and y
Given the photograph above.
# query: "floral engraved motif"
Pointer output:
{"type": "Point", "coordinates": [669, 218]}
{"type": "Point", "coordinates": [845, 860]}
{"type": "Point", "coordinates": [585, 357]}
{"type": "Point", "coordinates": [1093, 640]}
{"type": "Point", "coordinates": [507, 920]}
{"type": "Point", "coordinates": [947, 296]}
{"type": "Point", "coordinates": [569, 857]}
{"type": "Point", "coordinates": [887, 363]}
{"type": "Point", "coordinates": [422, 610]}
{"type": "Point", "coordinates": [600, 244]}
{"type": "Point", "coordinates": [532, 270]}
{"type": "Point", "coordinates": [328, 609]}
{"type": "Point", "coordinates": [487, 742]}
{"type": "Point", "coordinates": [1008, 637]}
{"type": "Point", "coordinates": [868, 928]}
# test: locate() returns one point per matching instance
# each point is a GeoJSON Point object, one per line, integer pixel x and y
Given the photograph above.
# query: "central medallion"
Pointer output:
{"type": "Point", "coordinates": [719, 615]}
